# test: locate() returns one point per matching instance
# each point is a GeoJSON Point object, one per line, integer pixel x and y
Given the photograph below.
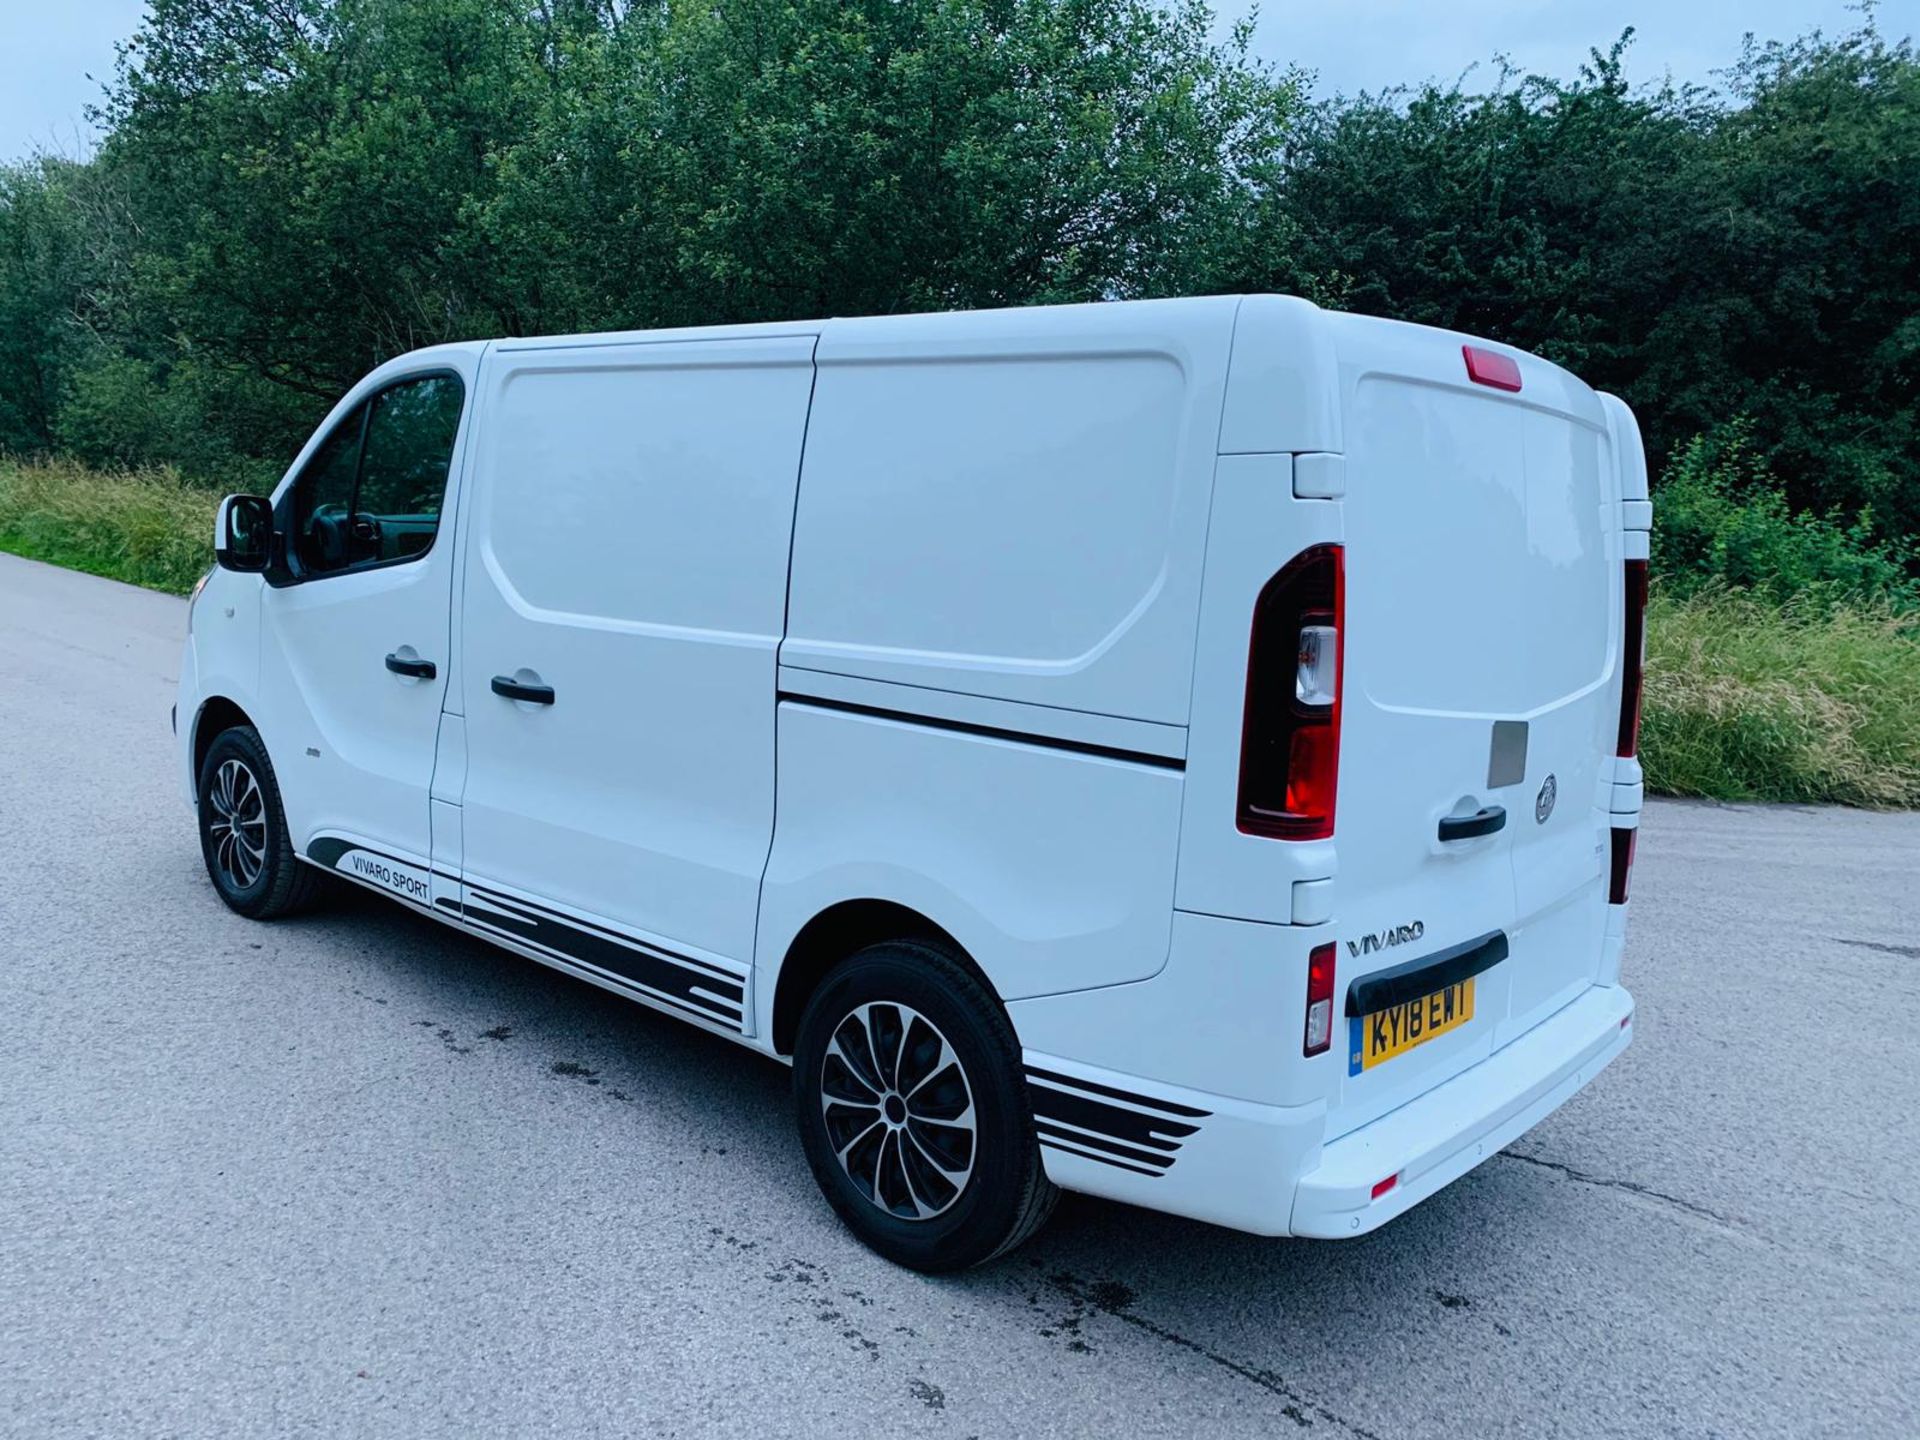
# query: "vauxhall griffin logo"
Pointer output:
{"type": "Point", "coordinates": [1381, 940]}
{"type": "Point", "coordinates": [1543, 802]}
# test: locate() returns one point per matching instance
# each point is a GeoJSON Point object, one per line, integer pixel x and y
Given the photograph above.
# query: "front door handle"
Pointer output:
{"type": "Point", "coordinates": [418, 669]}
{"type": "Point", "coordinates": [533, 694]}
{"type": "Point", "coordinates": [1488, 820]}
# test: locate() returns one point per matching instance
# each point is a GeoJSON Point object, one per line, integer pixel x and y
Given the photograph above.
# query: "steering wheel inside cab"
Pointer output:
{"type": "Point", "coordinates": [335, 540]}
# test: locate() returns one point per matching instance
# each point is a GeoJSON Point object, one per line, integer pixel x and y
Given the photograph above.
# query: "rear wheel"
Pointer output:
{"type": "Point", "coordinates": [243, 830]}
{"type": "Point", "coordinates": [912, 1110]}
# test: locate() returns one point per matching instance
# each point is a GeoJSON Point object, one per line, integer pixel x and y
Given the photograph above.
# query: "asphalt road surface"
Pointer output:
{"type": "Point", "coordinates": [354, 1174]}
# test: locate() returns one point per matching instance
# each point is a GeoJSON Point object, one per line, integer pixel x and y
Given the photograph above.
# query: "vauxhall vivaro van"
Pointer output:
{"type": "Point", "coordinates": [1182, 751]}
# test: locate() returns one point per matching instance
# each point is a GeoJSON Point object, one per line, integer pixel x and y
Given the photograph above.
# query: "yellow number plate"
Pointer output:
{"type": "Point", "coordinates": [1377, 1038]}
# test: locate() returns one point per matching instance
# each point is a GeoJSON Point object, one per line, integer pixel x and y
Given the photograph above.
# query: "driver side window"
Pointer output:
{"type": "Point", "coordinates": [323, 497]}
{"type": "Point", "coordinates": [372, 493]}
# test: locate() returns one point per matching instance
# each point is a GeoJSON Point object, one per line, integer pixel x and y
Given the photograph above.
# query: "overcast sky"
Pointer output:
{"type": "Point", "coordinates": [48, 50]}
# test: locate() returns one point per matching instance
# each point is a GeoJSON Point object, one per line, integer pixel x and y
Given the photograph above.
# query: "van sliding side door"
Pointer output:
{"type": "Point", "coordinates": [625, 578]}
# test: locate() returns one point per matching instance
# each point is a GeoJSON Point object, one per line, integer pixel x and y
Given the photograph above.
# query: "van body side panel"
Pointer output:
{"type": "Point", "coordinates": [1053, 868]}
{"type": "Point", "coordinates": [1027, 489]}
{"type": "Point", "coordinates": [628, 547]}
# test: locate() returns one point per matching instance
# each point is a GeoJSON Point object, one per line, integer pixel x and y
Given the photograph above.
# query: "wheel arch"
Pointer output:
{"type": "Point", "coordinates": [840, 930]}
{"type": "Point", "coordinates": [217, 713]}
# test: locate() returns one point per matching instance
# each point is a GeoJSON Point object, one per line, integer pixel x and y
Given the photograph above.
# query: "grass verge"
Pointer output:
{"type": "Point", "coordinates": [1747, 698]}
{"type": "Point", "coordinates": [146, 527]}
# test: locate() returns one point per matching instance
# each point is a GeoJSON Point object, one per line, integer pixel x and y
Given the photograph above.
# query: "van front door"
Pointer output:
{"type": "Point", "coordinates": [625, 547]}
{"type": "Point", "coordinates": [354, 655]}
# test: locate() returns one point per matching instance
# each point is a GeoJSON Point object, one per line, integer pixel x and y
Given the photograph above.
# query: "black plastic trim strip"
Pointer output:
{"type": "Point", "coordinates": [986, 732]}
{"type": "Point", "coordinates": [1384, 989]}
{"type": "Point", "coordinates": [1114, 1093]}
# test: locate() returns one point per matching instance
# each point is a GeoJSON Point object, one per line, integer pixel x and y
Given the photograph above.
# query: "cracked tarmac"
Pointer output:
{"type": "Point", "coordinates": [355, 1174]}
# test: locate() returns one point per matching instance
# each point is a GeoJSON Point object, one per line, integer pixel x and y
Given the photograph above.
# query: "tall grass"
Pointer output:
{"type": "Point", "coordinates": [1748, 697]}
{"type": "Point", "coordinates": [1753, 699]}
{"type": "Point", "coordinates": [146, 527]}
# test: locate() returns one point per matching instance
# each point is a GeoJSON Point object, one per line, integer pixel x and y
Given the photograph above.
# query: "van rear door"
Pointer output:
{"type": "Point", "coordinates": [1482, 582]}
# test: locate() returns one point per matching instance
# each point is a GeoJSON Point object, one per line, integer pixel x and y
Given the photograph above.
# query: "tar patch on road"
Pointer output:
{"type": "Point", "coordinates": [1908, 952]}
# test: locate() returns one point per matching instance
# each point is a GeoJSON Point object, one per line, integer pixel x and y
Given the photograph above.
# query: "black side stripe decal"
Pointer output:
{"type": "Point", "coordinates": [1145, 1102]}
{"type": "Point", "coordinates": [696, 986]}
{"type": "Point", "coordinates": [988, 732]}
{"type": "Point", "coordinates": [702, 989]}
{"type": "Point", "coordinates": [724, 978]}
{"type": "Point", "coordinates": [1080, 1117]}
{"type": "Point", "coordinates": [1106, 1147]}
{"type": "Point", "coordinates": [1065, 1149]}
{"type": "Point", "coordinates": [731, 1018]}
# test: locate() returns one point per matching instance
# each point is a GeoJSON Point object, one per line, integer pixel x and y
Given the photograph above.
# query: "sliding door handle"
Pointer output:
{"type": "Point", "coordinates": [417, 669]}
{"type": "Point", "coordinates": [512, 689]}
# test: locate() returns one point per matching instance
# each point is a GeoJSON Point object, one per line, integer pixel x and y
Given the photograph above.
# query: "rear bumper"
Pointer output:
{"type": "Point", "coordinates": [1268, 1169]}
{"type": "Point", "coordinates": [1434, 1140]}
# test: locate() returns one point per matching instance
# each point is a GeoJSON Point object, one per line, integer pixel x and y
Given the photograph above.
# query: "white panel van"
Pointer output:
{"type": "Point", "coordinates": [1182, 751]}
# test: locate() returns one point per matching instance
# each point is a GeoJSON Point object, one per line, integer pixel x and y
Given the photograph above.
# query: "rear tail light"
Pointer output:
{"type": "Point", "coordinates": [1634, 658]}
{"type": "Point", "coordinates": [1290, 734]}
{"type": "Point", "coordinates": [1623, 841]}
{"type": "Point", "coordinates": [1319, 1033]}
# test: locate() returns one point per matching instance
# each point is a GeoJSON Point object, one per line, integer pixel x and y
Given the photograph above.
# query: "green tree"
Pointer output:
{"type": "Point", "coordinates": [42, 264]}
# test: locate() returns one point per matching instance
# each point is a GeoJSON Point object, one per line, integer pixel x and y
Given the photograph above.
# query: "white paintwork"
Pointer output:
{"type": "Point", "coordinates": [627, 544]}
{"type": "Point", "coordinates": [952, 612]}
{"type": "Point", "coordinates": [1012, 503]}
{"type": "Point", "coordinates": [351, 742]}
{"type": "Point", "coordinates": [1054, 870]}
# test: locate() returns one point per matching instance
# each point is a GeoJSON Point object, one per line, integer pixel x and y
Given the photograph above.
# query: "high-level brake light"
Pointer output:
{"type": "Point", "coordinates": [1290, 733]}
{"type": "Point", "coordinates": [1490, 367]}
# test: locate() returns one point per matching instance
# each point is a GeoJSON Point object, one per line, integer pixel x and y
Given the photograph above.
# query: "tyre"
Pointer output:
{"type": "Point", "coordinates": [913, 1110]}
{"type": "Point", "coordinates": [243, 830]}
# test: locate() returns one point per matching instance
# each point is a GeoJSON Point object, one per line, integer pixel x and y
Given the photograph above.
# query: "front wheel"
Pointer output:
{"type": "Point", "coordinates": [913, 1112]}
{"type": "Point", "coordinates": [243, 830]}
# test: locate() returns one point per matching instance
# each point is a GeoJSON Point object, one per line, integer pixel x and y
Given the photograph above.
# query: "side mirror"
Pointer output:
{"type": "Point", "coordinates": [243, 533]}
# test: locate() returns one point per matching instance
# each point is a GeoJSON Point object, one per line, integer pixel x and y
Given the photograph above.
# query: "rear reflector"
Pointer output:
{"type": "Point", "coordinates": [1319, 1033]}
{"type": "Point", "coordinates": [1633, 647]}
{"type": "Point", "coordinates": [1382, 1186]}
{"type": "Point", "coordinates": [1290, 731]}
{"type": "Point", "coordinates": [1622, 866]}
{"type": "Point", "coordinates": [1490, 367]}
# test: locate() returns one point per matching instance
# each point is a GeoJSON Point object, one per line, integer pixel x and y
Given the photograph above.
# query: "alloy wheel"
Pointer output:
{"type": "Point", "coordinates": [899, 1110]}
{"type": "Point", "coordinates": [237, 824]}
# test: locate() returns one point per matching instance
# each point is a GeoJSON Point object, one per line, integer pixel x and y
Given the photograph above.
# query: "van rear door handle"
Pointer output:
{"type": "Point", "coordinates": [1487, 820]}
{"type": "Point", "coordinates": [418, 669]}
{"type": "Point", "coordinates": [533, 694]}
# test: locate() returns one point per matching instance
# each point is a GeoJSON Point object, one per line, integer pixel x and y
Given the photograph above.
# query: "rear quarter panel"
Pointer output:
{"type": "Point", "coordinates": [1053, 869]}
